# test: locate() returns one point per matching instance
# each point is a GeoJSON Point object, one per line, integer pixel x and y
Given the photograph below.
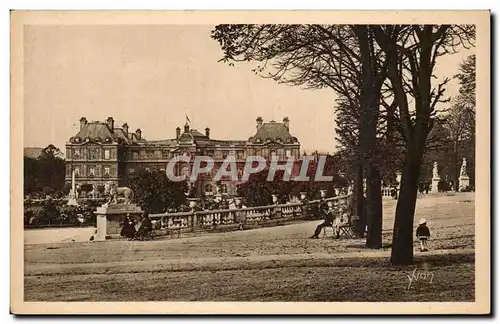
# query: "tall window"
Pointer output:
{"type": "Point", "coordinates": [92, 154]}
{"type": "Point", "coordinates": [106, 154]}
{"type": "Point", "coordinates": [288, 153]}
{"type": "Point", "coordinates": [76, 153]}
{"type": "Point", "coordinates": [91, 171]}
{"type": "Point", "coordinates": [77, 171]}
{"type": "Point", "coordinates": [107, 171]}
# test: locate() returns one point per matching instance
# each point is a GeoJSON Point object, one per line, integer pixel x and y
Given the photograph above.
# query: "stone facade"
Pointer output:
{"type": "Point", "coordinates": [101, 152]}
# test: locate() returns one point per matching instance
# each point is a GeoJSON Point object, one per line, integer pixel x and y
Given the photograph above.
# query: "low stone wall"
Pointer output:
{"type": "Point", "coordinates": [230, 219]}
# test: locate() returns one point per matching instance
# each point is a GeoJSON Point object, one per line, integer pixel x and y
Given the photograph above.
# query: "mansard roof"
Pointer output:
{"type": "Point", "coordinates": [100, 132]}
{"type": "Point", "coordinates": [274, 132]}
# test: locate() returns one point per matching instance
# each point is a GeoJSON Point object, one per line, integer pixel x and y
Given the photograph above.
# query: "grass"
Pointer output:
{"type": "Point", "coordinates": [268, 264]}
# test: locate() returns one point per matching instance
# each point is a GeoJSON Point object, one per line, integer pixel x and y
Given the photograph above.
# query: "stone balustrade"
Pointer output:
{"type": "Point", "coordinates": [386, 192]}
{"type": "Point", "coordinates": [207, 220]}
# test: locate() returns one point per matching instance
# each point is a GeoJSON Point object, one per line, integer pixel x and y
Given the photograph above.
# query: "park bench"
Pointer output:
{"type": "Point", "coordinates": [344, 231]}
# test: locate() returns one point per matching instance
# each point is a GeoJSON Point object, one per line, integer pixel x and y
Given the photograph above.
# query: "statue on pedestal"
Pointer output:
{"type": "Point", "coordinates": [435, 172]}
{"type": "Point", "coordinates": [463, 180]}
{"type": "Point", "coordinates": [114, 192]}
{"type": "Point", "coordinates": [463, 170]}
{"type": "Point", "coordinates": [435, 178]}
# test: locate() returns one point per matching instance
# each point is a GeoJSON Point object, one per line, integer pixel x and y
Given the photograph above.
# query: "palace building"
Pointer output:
{"type": "Point", "coordinates": [101, 152]}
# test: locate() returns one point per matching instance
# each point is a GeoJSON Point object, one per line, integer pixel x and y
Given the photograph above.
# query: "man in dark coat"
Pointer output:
{"type": "Point", "coordinates": [145, 229]}
{"type": "Point", "coordinates": [328, 220]}
{"type": "Point", "coordinates": [128, 229]}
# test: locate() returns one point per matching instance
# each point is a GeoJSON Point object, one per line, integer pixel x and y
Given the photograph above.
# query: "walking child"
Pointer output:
{"type": "Point", "coordinates": [423, 233]}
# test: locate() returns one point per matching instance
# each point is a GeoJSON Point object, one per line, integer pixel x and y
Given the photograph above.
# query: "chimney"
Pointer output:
{"type": "Point", "coordinates": [83, 122]}
{"type": "Point", "coordinates": [138, 133]}
{"type": "Point", "coordinates": [111, 123]}
{"type": "Point", "coordinates": [125, 129]}
{"type": "Point", "coordinates": [207, 132]}
{"type": "Point", "coordinates": [259, 122]}
{"type": "Point", "coordinates": [177, 133]}
{"type": "Point", "coordinates": [286, 122]}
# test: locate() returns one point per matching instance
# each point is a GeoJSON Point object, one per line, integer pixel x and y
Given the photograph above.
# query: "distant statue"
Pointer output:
{"type": "Point", "coordinates": [93, 192]}
{"type": "Point", "coordinates": [435, 173]}
{"type": "Point", "coordinates": [114, 192]}
{"type": "Point", "coordinates": [463, 170]}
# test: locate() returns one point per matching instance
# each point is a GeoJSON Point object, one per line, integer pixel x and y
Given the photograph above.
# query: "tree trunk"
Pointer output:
{"type": "Point", "coordinates": [402, 241]}
{"type": "Point", "coordinates": [371, 84]}
{"type": "Point", "coordinates": [358, 202]}
{"type": "Point", "coordinates": [374, 208]}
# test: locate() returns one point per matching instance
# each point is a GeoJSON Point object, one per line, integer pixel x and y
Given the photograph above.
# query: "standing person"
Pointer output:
{"type": "Point", "coordinates": [427, 187]}
{"type": "Point", "coordinates": [327, 220]}
{"type": "Point", "coordinates": [423, 233]}
{"type": "Point", "coordinates": [241, 216]}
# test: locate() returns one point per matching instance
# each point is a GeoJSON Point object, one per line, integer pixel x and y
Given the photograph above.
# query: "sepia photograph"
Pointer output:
{"type": "Point", "coordinates": [266, 162]}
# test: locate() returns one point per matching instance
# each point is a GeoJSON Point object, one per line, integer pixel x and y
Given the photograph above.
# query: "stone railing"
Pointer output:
{"type": "Point", "coordinates": [207, 220]}
{"type": "Point", "coordinates": [386, 192]}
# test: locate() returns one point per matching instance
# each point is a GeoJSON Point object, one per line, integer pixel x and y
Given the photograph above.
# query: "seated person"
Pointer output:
{"type": "Point", "coordinates": [340, 221]}
{"type": "Point", "coordinates": [145, 229]}
{"type": "Point", "coordinates": [328, 219]}
{"type": "Point", "coordinates": [128, 229]}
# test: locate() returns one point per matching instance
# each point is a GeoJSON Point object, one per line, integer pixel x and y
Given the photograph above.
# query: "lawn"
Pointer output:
{"type": "Point", "coordinates": [267, 264]}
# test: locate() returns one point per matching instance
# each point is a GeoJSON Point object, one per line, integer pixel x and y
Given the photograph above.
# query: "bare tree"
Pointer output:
{"type": "Point", "coordinates": [412, 52]}
{"type": "Point", "coordinates": [344, 58]}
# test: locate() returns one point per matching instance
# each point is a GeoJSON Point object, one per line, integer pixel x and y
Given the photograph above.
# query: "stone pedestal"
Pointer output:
{"type": "Point", "coordinates": [463, 182]}
{"type": "Point", "coordinates": [72, 202]}
{"type": "Point", "coordinates": [435, 183]}
{"type": "Point", "coordinates": [109, 219]}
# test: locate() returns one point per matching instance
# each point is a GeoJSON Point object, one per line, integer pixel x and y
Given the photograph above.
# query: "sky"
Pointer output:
{"type": "Point", "coordinates": [152, 76]}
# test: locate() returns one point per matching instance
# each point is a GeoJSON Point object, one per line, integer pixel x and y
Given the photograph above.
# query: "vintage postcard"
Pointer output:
{"type": "Point", "coordinates": [246, 162]}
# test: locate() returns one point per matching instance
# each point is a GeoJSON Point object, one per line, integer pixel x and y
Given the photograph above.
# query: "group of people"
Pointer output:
{"type": "Point", "coordinates": [327, 211]}
{"type": "Point", "coordinates": [129, 228]}
{"type": "Point", "coordinates": [424, 186]}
